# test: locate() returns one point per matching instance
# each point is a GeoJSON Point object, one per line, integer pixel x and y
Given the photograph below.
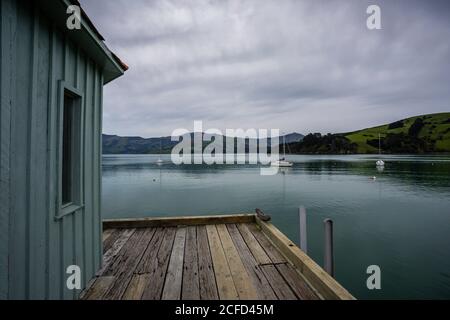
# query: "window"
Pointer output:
{"type": "Point", "coordinates": [70, 150]}
{"type": "Point", "coordinates": [67, 148]}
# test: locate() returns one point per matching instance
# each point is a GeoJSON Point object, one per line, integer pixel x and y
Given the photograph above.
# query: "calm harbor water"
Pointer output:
{"type": "Point", "coordinates": [400, 221]}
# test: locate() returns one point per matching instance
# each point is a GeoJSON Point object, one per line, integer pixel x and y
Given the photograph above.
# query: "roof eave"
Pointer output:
{"type": "Point", "coordinates": [88, 38]}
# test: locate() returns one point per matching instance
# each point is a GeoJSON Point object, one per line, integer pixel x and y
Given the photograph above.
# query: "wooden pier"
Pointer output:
{"type": "Point", "coordinates": [206, 258]}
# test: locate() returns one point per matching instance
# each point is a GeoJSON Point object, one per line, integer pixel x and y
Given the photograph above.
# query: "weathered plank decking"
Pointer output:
{"type": "Point", "coordinates": [206, 258]}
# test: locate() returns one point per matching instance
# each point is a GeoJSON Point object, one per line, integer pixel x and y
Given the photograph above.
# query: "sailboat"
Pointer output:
{"type": "Point", "coordinates": [160, 161]}
{"type": "Point", "coordinates": [282, 163]}
{"type": "Point", "coordinates": [380, 163]}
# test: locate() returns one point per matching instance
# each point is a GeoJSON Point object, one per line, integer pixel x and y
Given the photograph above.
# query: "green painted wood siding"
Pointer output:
{"type": "Point", "coordinates": [35, 247]}
{"type": "Point", "coordinates": [5, 125]}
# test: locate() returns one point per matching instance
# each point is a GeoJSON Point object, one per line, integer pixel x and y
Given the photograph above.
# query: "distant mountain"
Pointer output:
{"type": "Point", "coordinates": [293, 137]}
{"type": "Point", "coordinates": [416, 135]}
{"type": "Point", "coordinates": [113, 144]}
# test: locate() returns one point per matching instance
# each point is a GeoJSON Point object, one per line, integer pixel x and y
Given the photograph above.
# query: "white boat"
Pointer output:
{"type": "Point", "coordinates": [282, 163]}
{"type": "Point", "coordinates": [380, 163]}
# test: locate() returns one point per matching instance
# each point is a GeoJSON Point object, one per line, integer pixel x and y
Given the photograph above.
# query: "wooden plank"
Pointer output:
{"type": "Point", "coordinates": [224, 279]}
{"type": "Point", "coordinates": [242, 281]}
{"type": "Point", "coordinates": [7, 65]}
{"type": "Point", "coordinates": [109, 256]}
{"type": "Point", "coordinates": [81, 85]}
{"type": "Point", "coordinates": [259, 280]}
{"type": "Point", "coordinates": [66, 220]}
{"type": "Point", "coordinates": [87, 288]}
{"type": "Point", "coordinates": [279, 285]}
{"type": "Point", "coordinates": [124, 265]}
{"type": "Point", "coordinates": [99, 288]}
{"type": "Point", "coordinates": [296, 282]}
{"type": "Point", "coordinates": [79, 218]}
{"type": "Point", "coordinates": [148, 259]}
{"type": "Point", "coordinates": [39, 157]}
{"type": "Point", "coordinates": [178, 221]}
{"type": "Point", "coordinates": [116, 265]}
{"type": "Point", "coordinates": [108, 242]}
{"type": "Point", "coordinates": [253, 244]}
{"type": "Point", "coordinates": [88, 238]}
{"type": "Point", "coordinates": [136, 287]}
{"type": "Point", "coordinates": [106, 234]}
{"type": "Point", "coordinates": [328, 287]}
{"type": "Point", "coordinates": [273, 253]}
{"type": "Point", "coordinates": [158, 268]}
{"type": "Point", "coordinates": [78, 247]}
{"type": "Point", "coordinates": [191, 289]}
{"type": "Point", "coordinates": [96, 170]}
{"type": "Point", "coordinates": [172, 285]}
{"type": "Point", "coordinates": [206, 276]}
{"type": "Point", "coordinates": [55, 267]}
{"type": "Point", "coordinates": [67, 250]}
{"type": "Point", "coordinates": [19, 156]}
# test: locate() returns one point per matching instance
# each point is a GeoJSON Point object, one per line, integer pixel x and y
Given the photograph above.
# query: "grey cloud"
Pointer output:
{"type": "Point", "coordinates": [297, 65]}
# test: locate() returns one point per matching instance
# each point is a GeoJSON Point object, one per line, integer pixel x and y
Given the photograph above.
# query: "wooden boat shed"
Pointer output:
{"type": "Point", "coordinates": [51, 89]}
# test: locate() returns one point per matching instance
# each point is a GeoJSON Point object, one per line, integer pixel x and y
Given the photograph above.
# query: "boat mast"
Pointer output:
{"type": "Point", "coordinates": [160, 149]}
{"type": "Point", "coordinates": [379, 143]}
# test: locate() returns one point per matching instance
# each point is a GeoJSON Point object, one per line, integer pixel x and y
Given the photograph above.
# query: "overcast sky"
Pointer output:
{"type": "Point", "coordinates": [295, 65]}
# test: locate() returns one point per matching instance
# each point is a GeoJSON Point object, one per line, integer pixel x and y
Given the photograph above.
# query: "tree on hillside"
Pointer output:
{"type": "Point", "coordinates": [329, 143]}
{"type": "Point", "coordinates": [414, 130]}
{"type": "Point", "coordinates": [395, 125]}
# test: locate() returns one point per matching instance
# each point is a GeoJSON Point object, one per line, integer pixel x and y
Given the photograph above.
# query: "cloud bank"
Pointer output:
{"type": "Point", "coordinates": [296, 65]}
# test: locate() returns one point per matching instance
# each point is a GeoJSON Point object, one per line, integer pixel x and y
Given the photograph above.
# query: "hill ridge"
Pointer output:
{"type": "Point", "coordinates": [427, 133]}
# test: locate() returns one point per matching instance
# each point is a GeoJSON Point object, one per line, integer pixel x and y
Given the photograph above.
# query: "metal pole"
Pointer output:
{"type": "Point", "coordinates": [303, 234]}
{"type": "Point", "coordinates": [329, 250]}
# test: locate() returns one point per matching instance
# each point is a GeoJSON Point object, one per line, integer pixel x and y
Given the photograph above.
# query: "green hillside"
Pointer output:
{"type": "Point", "coordinates": [426, 133]}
